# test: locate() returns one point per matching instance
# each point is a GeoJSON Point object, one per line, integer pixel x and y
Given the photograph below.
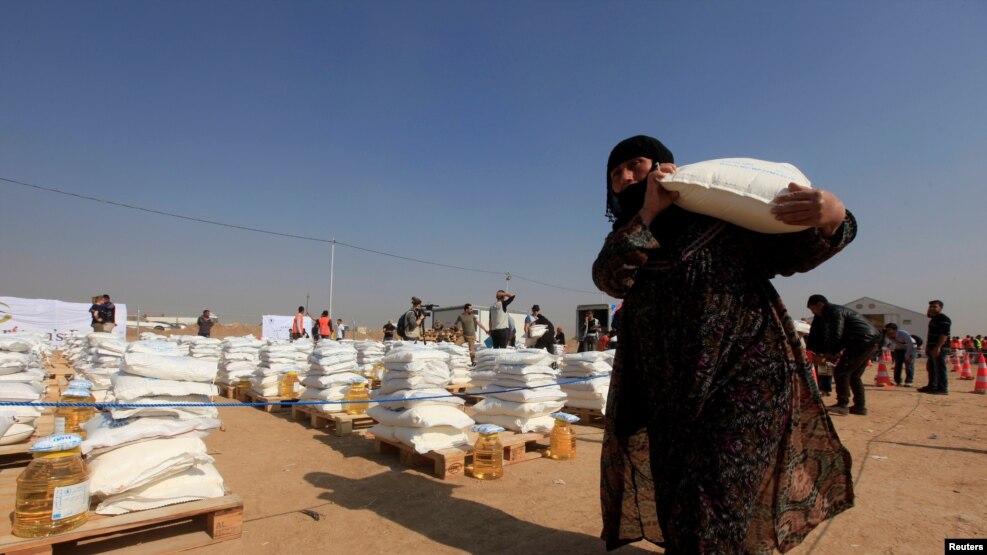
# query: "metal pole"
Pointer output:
{"type": "Point", "coordinates": [332, 262]}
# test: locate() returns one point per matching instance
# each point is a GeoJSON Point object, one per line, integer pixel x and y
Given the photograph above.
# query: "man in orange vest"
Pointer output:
{"type": "Point", "coordinates": [298, 325]}
{"type": "Point", "coordinates": [325, 325]}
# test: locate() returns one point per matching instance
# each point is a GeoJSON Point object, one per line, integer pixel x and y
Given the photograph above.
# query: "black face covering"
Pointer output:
{"type": "Point", "coordinates": [629, 202]}
{"type": "Point", "coordinates": [622, 207]}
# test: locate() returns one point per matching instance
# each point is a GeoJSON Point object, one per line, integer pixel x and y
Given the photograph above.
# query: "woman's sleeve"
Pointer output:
{"type": "Point", "coordinates": [624, 251]}
{"type": "Point", "coordinates": [790, 253]}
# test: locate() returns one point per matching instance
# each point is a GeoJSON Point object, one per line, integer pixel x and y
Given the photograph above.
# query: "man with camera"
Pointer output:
{"type": "Point", "coordinates": [414, 320]}
{"type": "Point", "coordinates": [500, 325]}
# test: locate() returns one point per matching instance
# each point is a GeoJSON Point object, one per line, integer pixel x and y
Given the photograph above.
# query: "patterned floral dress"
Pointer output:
{"type": "Point", "coordinates": [716, 438]}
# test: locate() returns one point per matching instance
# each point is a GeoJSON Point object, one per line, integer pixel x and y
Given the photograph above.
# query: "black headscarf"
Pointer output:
{"type": "Point", "coordinates": [621, 208]}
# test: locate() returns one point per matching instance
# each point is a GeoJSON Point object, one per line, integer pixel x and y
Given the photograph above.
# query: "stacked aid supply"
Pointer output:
{"type": "Point", "coordinates": [485, 371]}
{"type": "Point", "coordinates": [145, 456]}
{"type": "Point", "coordinates": [418, 411]}
{"type": "Point", "coordinates": [276, 359]}
{"type": "Point", "coordinates": [206, 348]}
{"type": "Point", "coordinates": [369, 354]}
{"type": "Point", "coordinates": [102, 358]}
{"type": "Point", "coordinates": [595, 368]}
{"type": "Point", "coordinates": [332, 365]}
{"type": "Point", "coordinates": [239, 358]}
{"type": "Point", "coordinates": [532, 392]}
{"type": "Point", "coordinates": [459, 362]}
{"type": "Point", "coordinates": [22, 379]}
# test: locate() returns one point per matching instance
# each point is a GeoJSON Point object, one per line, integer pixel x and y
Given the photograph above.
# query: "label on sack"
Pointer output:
{"type": "Point", "coordinates": [70, 501]}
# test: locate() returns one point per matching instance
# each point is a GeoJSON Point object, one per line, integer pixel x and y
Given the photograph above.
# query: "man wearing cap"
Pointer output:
{"type": "Point", "coordinates": [528, 321]}
{"type": "Point", "coordinates": [414, 319]}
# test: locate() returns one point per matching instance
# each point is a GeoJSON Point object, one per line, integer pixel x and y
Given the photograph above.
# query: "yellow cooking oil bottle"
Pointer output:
{"type": "Point", "coordinates": [562, 442]}
{"type": "Point", "coordinates": [53, 491]}
{"type": "Point", "coordinates": [71, 419]}
{"type": "Point", "coordinates": [488, 452]}
{"type": "Point", "coordinates": [286, 389]}
{"type": "Point", "coordinates": [358, 396]}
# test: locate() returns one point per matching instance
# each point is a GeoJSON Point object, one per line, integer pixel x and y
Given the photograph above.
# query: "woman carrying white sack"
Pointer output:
{"type": "Point", "coordinates": [714, 441]}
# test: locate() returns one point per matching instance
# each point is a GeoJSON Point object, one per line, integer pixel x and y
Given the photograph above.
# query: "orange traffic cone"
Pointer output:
{"type": "Point", "coordinates": [981, 385]}
{"type": "Point", "coordinates": [883, 379]}
{"type": "Point", "coordinates": [954, 362]}
{"type": "Point", "coordinates": [967, 371]}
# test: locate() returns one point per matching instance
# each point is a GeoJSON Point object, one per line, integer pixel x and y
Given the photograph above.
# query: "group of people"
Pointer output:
{"type": "Point", "coordinates": [103, 313]}
{"type": "Point", "coordinates": [843, 342]}
{"type": "Point", "coordinates": [322, 327]}
{"type": "Point", "coordinates": [539, 331]}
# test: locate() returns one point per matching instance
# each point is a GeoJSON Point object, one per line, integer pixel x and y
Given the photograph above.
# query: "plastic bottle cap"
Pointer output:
{"type": "Point", "coordinates": [76, 392]}
{"type": "Point", "coordinates": [357, 379]}
{"type": "Point", "coordinates": [487, 429]}
{"type": "Point", "coordinates": [80, 383]}
{"type": "Point", "coordinates": [570, 418]}
{"type": "Point", "coordinates": [55, 443]}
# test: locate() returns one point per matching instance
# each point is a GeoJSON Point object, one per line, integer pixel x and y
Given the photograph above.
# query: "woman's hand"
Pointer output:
{"type": "Point", "coordinates": [810, 207]}
{"type": "Point", "coordinates": [656, 197]}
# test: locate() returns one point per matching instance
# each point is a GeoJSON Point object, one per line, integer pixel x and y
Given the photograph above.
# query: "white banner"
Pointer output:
{"type": "Point", "coordinates": [53, 318]}
{"type": "Point", "coordinates": [279, 327]}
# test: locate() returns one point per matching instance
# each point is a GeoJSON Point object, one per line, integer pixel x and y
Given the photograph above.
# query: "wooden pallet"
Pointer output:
{"type": "Point", "coordinates": [587, 417]}
{"type": "Point", "coordinates": [230, 392]}
{"type": "Point", "coordinates": [340, 423]}
{"type": "Point", "coordinates": [279, 403]}
{"type": "Point", "coordinates": [460, 388]}
{"type": "Point", "coordinates": [471, 399]}
{"type": "Point", "coordinates": [449, 463]}
{"type": "Point", "coordinates": [156, 531]}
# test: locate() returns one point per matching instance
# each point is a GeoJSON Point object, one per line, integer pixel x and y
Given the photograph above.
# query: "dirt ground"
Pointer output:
{"type": "Point", "coordinates": [919, 466]}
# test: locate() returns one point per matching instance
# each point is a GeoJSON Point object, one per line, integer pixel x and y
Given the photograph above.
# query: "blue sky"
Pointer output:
{"type": "Point", "coordinates": [468, 134]}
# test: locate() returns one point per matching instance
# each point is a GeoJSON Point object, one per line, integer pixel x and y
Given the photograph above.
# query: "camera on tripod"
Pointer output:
{"type": "Point", "coordinates": [425, 310]}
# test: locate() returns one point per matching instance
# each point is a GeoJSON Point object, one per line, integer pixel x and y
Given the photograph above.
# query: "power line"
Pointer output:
{"type": "Point", "coordinates": [288, 235]}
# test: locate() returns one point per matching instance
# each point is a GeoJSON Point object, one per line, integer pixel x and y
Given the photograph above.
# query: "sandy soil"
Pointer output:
{"type": "Point", "coordinates": [918, 462]}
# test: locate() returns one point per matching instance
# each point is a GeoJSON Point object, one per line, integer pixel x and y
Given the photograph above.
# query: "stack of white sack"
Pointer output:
{"type": "Point", "coordinates": [522, 410]}
{"type": "Point", "coordinates": [150, 379]}
{"type": "Point", "coordinates": [419, 413]}
{"type": "Point", "coordinates": [368, 354]}
{"type": "Point", "coordinates": [144, 457]}
{"type": "Point", "coordinates": [459, 362]}
{"type": "Point", "coordinates": [485, 371]}
{"type": "Point", "coordinates": [239, 359]}
{"type": "Point", "coordinates": [593, 366]}
{"type": "Point", "coordinates": [184, 343]}
{"type": "Point", "coordinates": [332, 365]}
{"type": "Point", "coordinates": [150, 336]}
{"type": "Point", "coordinates": [74, 347]}
{"type": "Point", "coordinates": [276, 359]}
{"type": "Point", "coordinates": [205, 348]}
{"type": "Point", "coordinates": [104, 355]}
{"type": "Point", "coordinates": [22, 379]}
{"type": "Point", "coordinates": [149, 462]}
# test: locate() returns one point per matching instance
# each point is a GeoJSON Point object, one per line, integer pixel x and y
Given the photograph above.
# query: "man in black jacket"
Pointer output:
{"type": "Point", "coordinates": [837, 328]}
